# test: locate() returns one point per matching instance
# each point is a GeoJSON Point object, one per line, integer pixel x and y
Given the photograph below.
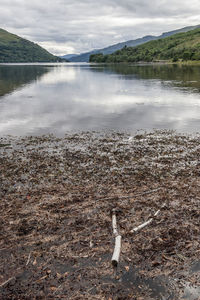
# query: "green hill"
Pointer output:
{"type": "Point", "coordinates": [16, 49]}
{"type": "Point", "coordinates": [84, 57]}
{"type": "Point", "coordinates": [181, 46]}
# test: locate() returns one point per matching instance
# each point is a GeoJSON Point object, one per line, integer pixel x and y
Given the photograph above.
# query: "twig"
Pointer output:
{"type": "Point", "coordinates": [42, 278]}
{"type": "Point", "coordinates": [28, 260]}
{"type": "Point", "coordinates": [147, 192]}
{"type": "Point", "coordinates": [117, 249]}
{"type": "Point", "coordinates": [145, 223]}
{"type": "Point", "coordinates": [58, 289]}
{"type": "Point", "coordinates": [6, 282]}
{"type": "Point", "coordinates": [128, 197]}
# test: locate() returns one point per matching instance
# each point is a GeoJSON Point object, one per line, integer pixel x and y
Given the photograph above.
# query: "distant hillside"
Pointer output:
{"type": "Point", "coordinates": [132, 43]}
{"type": "Point", "coordinates": [16, 49]}
{"type": "Point", "coordinates": [68, 56]}
{"type": "Point", "coordinates": [180, 46]}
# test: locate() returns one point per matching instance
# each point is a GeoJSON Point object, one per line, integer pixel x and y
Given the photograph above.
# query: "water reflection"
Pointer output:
{"type": "Point", "coordinates": [182, 76]}
{"type": "Point", "coordinates": [60, 97]}
{"type": "Point", "coordinates": [13, 77]}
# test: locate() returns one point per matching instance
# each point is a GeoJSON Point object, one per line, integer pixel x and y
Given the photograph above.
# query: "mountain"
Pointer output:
{"type": "Point", "coordinates": [180, 46]}
{"type": "Point", "coordinates": [68, 56]}
{"type": "Point", "coordinates": [108, 50]}
{"type": "Point", "coordinates": [16, 49]}
{"type": "Point", "coordinates": [84, 57]}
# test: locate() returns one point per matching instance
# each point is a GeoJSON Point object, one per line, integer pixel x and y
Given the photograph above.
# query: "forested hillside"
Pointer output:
{"type": "Point", "coordinates": [182, 46]}
{"type": "Point", "coordinates": [84, 57]}
{"type": "Point", "coordinates": [16, 49]}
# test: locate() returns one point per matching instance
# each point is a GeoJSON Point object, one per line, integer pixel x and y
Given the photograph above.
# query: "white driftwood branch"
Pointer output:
{"type": "Point", "coordinates": [117, 249]}
{"type": "Point", "coordinates": [145, 223]}
{"type": "Point", "coordinates": [142, 225]}
{"type": "Point", "coordinates": [114, 224]}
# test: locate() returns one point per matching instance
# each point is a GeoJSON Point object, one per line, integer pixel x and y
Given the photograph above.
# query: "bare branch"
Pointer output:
{"type": "Point", "coordinates": [145, 223]}
{"type": "Point", "coordinates": [117, 249]}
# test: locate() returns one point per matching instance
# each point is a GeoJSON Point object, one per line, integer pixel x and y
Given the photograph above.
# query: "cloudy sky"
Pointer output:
{"type": "Point", "coordinates": [76, 26]}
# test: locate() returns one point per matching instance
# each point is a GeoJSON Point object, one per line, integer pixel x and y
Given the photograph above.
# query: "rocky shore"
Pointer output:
{"type": "Point", "coordinates": [56, 198]}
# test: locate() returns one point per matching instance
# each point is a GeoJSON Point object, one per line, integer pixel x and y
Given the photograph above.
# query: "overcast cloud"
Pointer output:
{"type": "Point", "coordinates": [75, 26]}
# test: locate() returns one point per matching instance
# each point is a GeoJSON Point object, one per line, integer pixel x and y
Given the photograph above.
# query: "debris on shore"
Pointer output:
{"type": "Point", "coordinates": [56, 199]}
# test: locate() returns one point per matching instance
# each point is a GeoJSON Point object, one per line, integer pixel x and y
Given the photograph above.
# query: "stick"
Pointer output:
{"type": "Point", "coordinates": [145, 223]}
{"type": "Point", "coordinates": [147, 192]}
{"type": "Point", "coordinates": [28, 259]}
{"type": "Point", "coordinates": [117, 249]}
{"type": "Point", "coordinates": [114, 224]}
{"type": "Point", "coordinates": [7, 281]}
{"type": "Point", "coordinates": [128, 197]}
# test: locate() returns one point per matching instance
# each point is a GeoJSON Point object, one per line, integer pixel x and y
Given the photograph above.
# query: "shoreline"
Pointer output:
{"type": "Point", "coordinates": [157, 62]}
{"type": "Point", "coordinates": [56, 198]}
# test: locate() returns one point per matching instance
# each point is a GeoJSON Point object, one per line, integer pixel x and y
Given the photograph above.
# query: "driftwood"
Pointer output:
{"type": "Point", "coordinates": [117, 249]}
{"type": "Point", "coordinates": [114, 223]}
{"type": "Point", "coordinates": [145, 223]}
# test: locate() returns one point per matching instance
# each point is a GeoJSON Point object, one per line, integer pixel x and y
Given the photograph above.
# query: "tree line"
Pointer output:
{"type": "Point", "coordinates": [179, 47]}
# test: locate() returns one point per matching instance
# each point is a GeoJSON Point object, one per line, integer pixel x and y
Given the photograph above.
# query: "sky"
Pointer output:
{"type": "Point", "coordinates": [77, 26]}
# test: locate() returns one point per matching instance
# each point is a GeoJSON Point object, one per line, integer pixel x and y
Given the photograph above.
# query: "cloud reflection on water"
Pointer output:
{"type": "Point", "coordinates": [71, 97]}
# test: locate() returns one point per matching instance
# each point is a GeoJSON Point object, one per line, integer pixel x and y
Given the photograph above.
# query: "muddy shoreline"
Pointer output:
{"type": "Point", "coordinates": [57, 194]}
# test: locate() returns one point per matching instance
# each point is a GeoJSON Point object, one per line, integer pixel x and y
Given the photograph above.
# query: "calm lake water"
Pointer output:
{"type": "Point", "coordinates": [56, 98]}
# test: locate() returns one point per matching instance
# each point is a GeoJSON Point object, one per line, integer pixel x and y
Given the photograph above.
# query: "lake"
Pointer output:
{"type": "Point", "coordinates": [40, 99]}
